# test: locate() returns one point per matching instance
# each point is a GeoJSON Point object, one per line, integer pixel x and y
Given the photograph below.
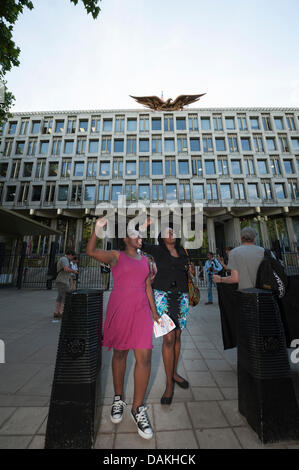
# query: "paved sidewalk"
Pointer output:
{"type": "Point", "coordinates": [204, 416]}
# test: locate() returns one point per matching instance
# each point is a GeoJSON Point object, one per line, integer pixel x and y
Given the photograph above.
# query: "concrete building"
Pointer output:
{"type": "Point", "coordinates": [241, 163]}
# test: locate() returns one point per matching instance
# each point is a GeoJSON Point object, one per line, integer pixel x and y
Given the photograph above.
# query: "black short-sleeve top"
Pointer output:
{"type": "Point", "coordinates": [172, 272]}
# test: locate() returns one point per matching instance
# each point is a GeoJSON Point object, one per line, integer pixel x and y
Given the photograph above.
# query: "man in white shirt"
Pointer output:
{"type": "Point", "coordinates": [212, 266]}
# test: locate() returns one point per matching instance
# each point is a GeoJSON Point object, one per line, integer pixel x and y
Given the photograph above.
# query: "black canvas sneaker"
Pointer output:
{"type": "Point", "coordinates": [142, 422]}
{"type": "Point", "coordinates": [117, 410]}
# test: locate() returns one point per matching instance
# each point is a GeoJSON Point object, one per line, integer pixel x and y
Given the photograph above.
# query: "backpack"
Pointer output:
{"type": "Point", "coordinates": [271, 275]}
{"type": "Point", "coordinates": [53, 273]}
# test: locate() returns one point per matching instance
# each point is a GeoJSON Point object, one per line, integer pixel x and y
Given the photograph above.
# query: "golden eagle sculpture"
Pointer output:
{"type": "Point", "coordinates": [157, 104]}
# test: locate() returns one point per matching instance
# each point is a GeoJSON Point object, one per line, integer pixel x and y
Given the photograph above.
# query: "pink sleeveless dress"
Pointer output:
{"type": "Point", "coordinates": [129, 322]}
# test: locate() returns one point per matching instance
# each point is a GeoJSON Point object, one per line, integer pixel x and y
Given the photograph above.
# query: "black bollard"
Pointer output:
{"type": "Point", "coordinates": [265, 389]}
{"type": "Point", "coordinates": [74, 407]}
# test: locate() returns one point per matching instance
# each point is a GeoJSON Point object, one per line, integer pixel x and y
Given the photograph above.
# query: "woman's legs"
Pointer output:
{"type": "Point", "coordinates": [119, 361]}
{"type": "Point", "coordinates": [168, 354]}
{"type": "Point", "coordinates": [177, 350]}
{"type": "Point", "coordinates": [142, 372]}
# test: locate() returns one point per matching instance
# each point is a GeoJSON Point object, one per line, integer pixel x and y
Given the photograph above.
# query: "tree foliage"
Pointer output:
{"type": "Point", "coordinates": [9, 51]}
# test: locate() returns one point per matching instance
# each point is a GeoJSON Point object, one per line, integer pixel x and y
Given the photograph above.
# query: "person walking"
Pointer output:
{"type": "Point", "coordinates": [74, 277]}
{"type": "Point", "coordinates": [170, 287]}
{"type": "Point", "coordinates": [65, 271]}
{"type": "Point", "coordinates": [129, 323]}
{"type": "Point", "coordinates": [212, 265]}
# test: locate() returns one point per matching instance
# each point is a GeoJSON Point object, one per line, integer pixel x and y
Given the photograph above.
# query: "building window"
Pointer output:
{"type": "Point", "coordinates": [291, 123]}
{"type": "Point", "coordinates": [223, 166]}
{"type": "Point", "coordinates": [194, 144]}
{"type": "Point", "coordinates": [181, 123]}
{"type": "Point", "coordinates": [198, 192]}
{"type": "Point", "coordinates": [53, 169]}
{"type": "Point", "coordinates": [47, 126]}
{"type": "Point", "coordinates": [236, 167]}
{"type": "Point", "coordinates": [66, 168]}
{"type": "Point", "coordinates": [11, 193]}
{"type": "Point", "coordinates": [266, 123]}
{"type": "Point", "coordinates": [225, 191]}
{"type": "Point", "coordinates": [69, 146]}
{"type": "Point", "coordinates": [90, 192]}
{"type": "Point", "coordinates": [171, 192]}
{"type": "Point", "coordinates": [249, 166]}
{"type": "Point", "coordinates": [118, 168]}
{"type": "Point", "coordinates": [168, 123]}
{"type": "Point", "coordinates": [245, 142]}
{"type": "Point", "coordinates": [117, 191]}
{"type": "Point", "coordinates": [157, 167]}
{"type": "Point", "coordinates": [132, 124]}
{"type": "Point", "coordinates": [59, 126]}
{"type": "Point", "coordinates": [106, 145]}
{"type": "Point", "coordinates": [76, 192]}
{"type": "Point", "coordinates": [144, 191]}
{"type": "Point", "coordinates": [182, 144]}
{"type": "Point", "coordinates": [233, 143]}
{"type": "Point", "coordinates": [266, 190]}
{"type": "Point", "coordinates": [288, 167]}
{"type": "Point", "coordinates": [271, 143]}
{"type": "Point", "coordinates": [27, 170]}
{"type": "Point", "coordinates": [130, 189]}
{"type": "Point", "coordinates": [35, 127]}
{"type": "Point", "coordinates": [294, 190]}
{"type": "Point", "coordinates": [239, 190]}
{"type": "Point", "coordinates": [183, 167]}
{"type": "Point", "coordinates": [118, 145]}
{"type": "Point", "coordinates": [12, 127]}
{"type": "Point", "coordinates": [23, 193]}
{"type": "Point", "coordinates": [104, 168]}
{"type": "Point", "coordinates": [170, 167]}
{"type": "Point", "coordinates": [254, 123]}
{"type": "Point", "coordinates": [107, 125]}
{"type": "Point", "coordinates": [50, 193]}
{"type": "Point", "coordinates": [230, 123]}
{"type": "Point", "coordinates": [275, 166]}
{"type": "Point", "coordinates": [210, 167]}
{"type": "Point", "coordinates": [205, 124]}
{"type": "Point", "coordinates": [79, 169]}
{"type": "Point", "coordinates": [295, 143]}
{"type": "Point", "coordinates": [207, 143]}
{"type": "Point", "coordinates": [8, 148]}
{"type": "Point", "coordinates": [103, 191]}
{"type": "Point", "coordinates": [20, 147]}
{"type": "Point", "coordinates": [280, 191]}
{"type": "Point", "coordinates": [56, 147]}
{"type": "Point", "coordinates": [283, 143]}
{"type": "Point", "coordinates": [262, 167]}
{"type": "Point", "coordinates": [217, 123]}
{"type": "Point", "coordinates": [196, 167]}
{"type": "Point", "coordinates": [157, 144]}
{"type": "Point", "coordinates": [95, 125]}
{"type": "Point", "coordinates": [81, 146]}
{"type": "Point", "coordinates": [2, 127]}
{"type": "Point", "coordinates": [220, 144]}
{"type": "Point", "coordinates": [157, 191]}
{"type": "Point", "coordinates": [24, 127]}
{"type": "Point", "coordinates": [131, 145]}
{"type": "Point", "coordinates": [63, 192]}
{"type": "Point", "coordinates": [144, 123]}
{"type": "Point", "coordinates": [258, 143]}
{"type": "Point", "coordinates": [143, 145]}
{"type": "Point", "coordinates": [156, 124]}
{"type": "Point", "coordinates": [169, 145]}
{"type": "Point", "coordinates": [212, 192]}
{"type": "Point", "coordinates": [14, 174]}
{"type": "Point", "coordinates": [3, 169]}
{"type": "Point", "coordinates": [278, 123]}
{"type": "Point", "coordinates": [131, 168]}
{"type": "Point", "coordinates": [193, 122]}
{"type": "Point", "coordinates": [44, 147]}
{"type": "Point", "coordinates": [144, 167]}
{"type": "Point", "coordinates": [93, 146]}
{"type": "Point", "coordinates": [242, 123]}
{"type": "Point", "coordinates": [71, 125]}
{"type": "Point", "coordinates": [185, 193]}
{"type": "Point", "coordinates": [252, 191]}
{"type": "Point", "coordinates": [119, 124]}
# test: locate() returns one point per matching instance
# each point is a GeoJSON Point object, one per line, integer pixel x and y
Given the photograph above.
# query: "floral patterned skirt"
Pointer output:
{"type": "Point", "coordinates": [175, 304]}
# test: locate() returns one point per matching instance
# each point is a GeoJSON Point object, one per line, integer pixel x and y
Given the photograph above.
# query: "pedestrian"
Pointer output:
{"type": "Point", "coordinates": [211, 267]}
{"type": "Point", "coordinates": [74, 277]}
{"type": "Point", "coordinates": [170, 288]}
{"type": "Point", "coordinates": [224, 260]}
{"type": "Point", "coordinates": [243, 261]}
{"type": "Point", "coordinates": [129, 323]}
{"type": "Point", "coordinates": [64, 270]}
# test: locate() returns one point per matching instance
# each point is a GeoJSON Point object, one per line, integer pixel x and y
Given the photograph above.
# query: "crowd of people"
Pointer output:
{"type": "Point", "coordinates": [150, 281]}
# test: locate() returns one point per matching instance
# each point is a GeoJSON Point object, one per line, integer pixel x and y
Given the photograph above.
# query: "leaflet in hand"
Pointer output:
{"type": "Point", "coordinates": [164, 326]}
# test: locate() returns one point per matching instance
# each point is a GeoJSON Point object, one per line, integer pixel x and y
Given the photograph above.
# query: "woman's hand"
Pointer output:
{"type": "Point", "coordinates": [156, 317]}
{"type": "Point", "coordinates": [216, 278]}
{"type": "Point", "coordinates": [192, 269]}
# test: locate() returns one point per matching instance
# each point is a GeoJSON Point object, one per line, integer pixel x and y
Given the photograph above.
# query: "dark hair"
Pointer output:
{"type": "Point", "coordinates": [162, 243]}
{"type": "Point", "coordinates": [70, 252]}
{"type": "Point", "coordinates": [121, 244]}
{"type": "Point", "coordinates": [210, 253]}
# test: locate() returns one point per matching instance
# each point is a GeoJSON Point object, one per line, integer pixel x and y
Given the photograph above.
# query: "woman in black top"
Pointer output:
{"type": "Point", "coordinates": [170, 288]}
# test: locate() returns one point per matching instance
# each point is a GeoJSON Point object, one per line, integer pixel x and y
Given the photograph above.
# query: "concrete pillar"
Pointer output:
{"type": "Point", "coordinates": [211, 234]}
{"type": "Point", "coordinates": [79, 232]}
{"type": "Point", "coordinates": [291, 233]}
{"type": "Point", "coordinates": [264, 234]}
{"type": "Point", "coordinates": [52, 237]}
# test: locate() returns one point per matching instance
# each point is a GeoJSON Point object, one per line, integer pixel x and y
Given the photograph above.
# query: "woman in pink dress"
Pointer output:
{"type": "Point", "coordinates": [129, 323]}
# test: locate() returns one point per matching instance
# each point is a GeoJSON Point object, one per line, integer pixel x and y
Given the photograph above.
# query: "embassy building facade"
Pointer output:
{"type": "Point", "coordinates": [242, 164]}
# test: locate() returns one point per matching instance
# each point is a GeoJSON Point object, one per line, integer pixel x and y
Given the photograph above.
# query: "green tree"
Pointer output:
{"type": "Point", "coordinates": [9, 51]}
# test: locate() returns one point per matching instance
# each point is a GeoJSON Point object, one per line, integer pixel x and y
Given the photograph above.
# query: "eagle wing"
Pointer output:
{"type": "Point", "coordinates": [184, 100]}
{"type": "Point", "coordinates": [153, 102]}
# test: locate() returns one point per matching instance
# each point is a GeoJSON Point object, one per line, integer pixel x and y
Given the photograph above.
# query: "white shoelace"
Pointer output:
{"type": "Point", "coordinates": [118, 406]}
{"type": "Point", "coordinates": [142, 418]}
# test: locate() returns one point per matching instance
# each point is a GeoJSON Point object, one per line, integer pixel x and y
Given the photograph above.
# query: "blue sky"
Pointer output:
{"type": "Point", "coordinates": [241, 53]}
